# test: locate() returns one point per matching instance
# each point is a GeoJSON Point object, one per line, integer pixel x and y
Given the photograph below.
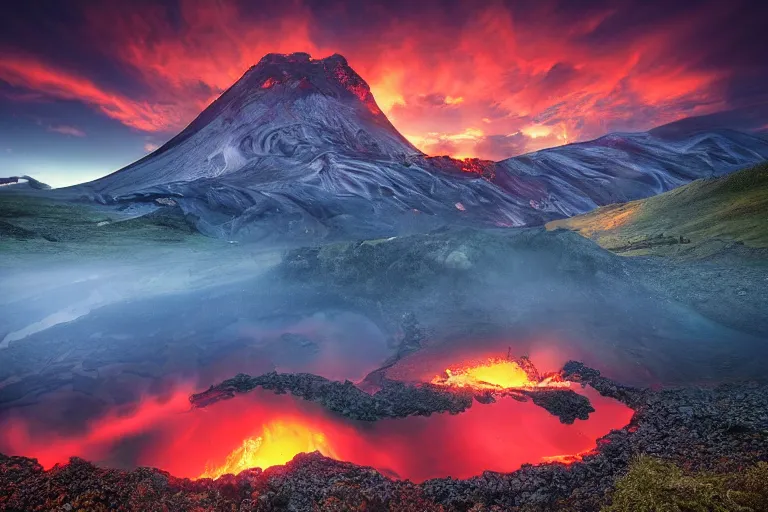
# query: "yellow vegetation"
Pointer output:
{"type": "Point", "coordinates": [654, 485]}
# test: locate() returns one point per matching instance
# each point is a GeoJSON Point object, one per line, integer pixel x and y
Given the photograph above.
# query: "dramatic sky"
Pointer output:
{"type": "Point", "coordinates": [89, 86]}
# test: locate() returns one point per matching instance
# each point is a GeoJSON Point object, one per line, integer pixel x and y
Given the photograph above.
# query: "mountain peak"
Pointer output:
{"type": "Point", "coordinates": [331, 76]}
{"type": "Point", "coordinates": [286, 112]}
{"type": "Point", "coordinates": [299, 58]}
{"type": "Point", "coordinates": [284, 58]}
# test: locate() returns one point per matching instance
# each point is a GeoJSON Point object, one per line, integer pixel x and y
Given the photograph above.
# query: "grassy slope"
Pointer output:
{"type": "Point", "coordinates": [34, 225]}
{"type": "Point", "coordinates": [730, 208]}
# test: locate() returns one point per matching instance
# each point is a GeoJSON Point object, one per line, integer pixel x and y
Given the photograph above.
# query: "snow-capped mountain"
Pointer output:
{"type": "Point", "coordinates": [298, 148]}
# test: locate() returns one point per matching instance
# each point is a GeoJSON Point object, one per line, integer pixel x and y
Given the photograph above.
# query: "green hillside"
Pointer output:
{"type": "Point", "coordinates": [712, 212]}
{"type": "Point", "coordinates": [41, 225]}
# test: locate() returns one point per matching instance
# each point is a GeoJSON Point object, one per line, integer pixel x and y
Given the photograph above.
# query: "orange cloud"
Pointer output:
{"type": "Point", "coordinates": [529, 80]}
{"type": "Point", "coordinates": [32, 74]}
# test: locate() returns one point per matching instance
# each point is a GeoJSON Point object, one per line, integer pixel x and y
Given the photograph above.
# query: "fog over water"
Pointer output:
{"type": "Point", "coordinates": [100, 353]}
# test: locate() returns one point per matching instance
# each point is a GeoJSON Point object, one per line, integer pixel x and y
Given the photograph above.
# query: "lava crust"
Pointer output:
{"type": "Point", "coordinates": [719, 429]}
{"type": "Point", "coordinates": [394, 399]}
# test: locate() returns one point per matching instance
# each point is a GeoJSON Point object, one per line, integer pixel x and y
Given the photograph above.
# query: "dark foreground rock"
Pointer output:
{"type": "Point", "coordinates": [566, 404]}
{"type": "Point", "coordinates": [393, 400]}
{"type": "Point", "coordinates": [717, 430]}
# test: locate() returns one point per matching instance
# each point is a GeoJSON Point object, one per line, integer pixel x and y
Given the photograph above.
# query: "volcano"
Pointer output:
{"type": "Point", "coordinates": [287, 109]}
{"type": "Point", "coordinates": [298, 150]}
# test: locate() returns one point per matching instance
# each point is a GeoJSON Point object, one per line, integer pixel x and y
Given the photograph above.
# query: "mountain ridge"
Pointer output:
{"type": "Point", "coordinates": [298, 147]}
{"type": "Point", "coordinates": [618, 167]}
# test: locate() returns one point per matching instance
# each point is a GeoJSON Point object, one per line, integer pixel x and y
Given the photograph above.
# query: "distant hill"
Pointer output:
{"type": "Point", "coordinates": [576, 178]}
{"type": "Point", "coordinates": [22, 182]}
{"type": "Point", "coordinates": [731, 209]}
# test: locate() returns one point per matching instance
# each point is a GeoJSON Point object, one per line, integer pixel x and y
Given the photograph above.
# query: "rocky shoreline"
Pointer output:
{"type": "Point", "coordinates": [717, 430]}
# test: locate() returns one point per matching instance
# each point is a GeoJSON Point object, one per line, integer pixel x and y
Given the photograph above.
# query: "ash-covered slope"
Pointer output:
{"type": "Point", "coordinates": [298, 148]}
{"type": "Point", "coordinates": [619, 167]}
{"type": "Point", "coordinates": [286, 107]}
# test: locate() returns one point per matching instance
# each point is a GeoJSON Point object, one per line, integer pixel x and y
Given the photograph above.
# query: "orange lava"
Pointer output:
{"type": "Point", "coordinates": [566, 459]}
{"type": "Point", "coordinates": [494, 374]}
{"type": "Point", "coordinates": [279, 442]}
{"type": "Point", "coordinates": [262, 429]}
{"type": "Point", "coordinates": [484, 168]}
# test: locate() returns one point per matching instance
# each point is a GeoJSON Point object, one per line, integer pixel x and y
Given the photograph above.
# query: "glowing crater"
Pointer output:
{"type": "Point", "coordinates": [498, 374]}
{"type": "Point", "coordinates": [279, 442]}
{"type": "Point", "coordinates": [263, 429]}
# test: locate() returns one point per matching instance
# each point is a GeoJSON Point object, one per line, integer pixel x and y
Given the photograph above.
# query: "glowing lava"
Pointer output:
{"type": "Point", "coordinates": [279, 442]}
{"type": "Point", "coordinates": [496, 374]}
{"type": "Point", "coordinates": [262, 429]}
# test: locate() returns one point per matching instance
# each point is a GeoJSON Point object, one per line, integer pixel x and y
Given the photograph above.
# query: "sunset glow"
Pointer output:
{"type": "Point", "coordinates": [506, 80]}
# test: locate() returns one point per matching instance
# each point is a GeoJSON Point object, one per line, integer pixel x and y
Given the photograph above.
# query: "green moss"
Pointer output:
{"type": "Point", "coordinates": [654, 485]}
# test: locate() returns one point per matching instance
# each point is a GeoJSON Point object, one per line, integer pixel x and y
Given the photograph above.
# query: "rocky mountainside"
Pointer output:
{"type": "Point", "coordinates": [298, 150]}
{"type": "Point", "coordinates": [288, 109]}
{"type": "Point", "coordinates": [576, 178]}
{"type": "Point", "coordinates": [691, 220]}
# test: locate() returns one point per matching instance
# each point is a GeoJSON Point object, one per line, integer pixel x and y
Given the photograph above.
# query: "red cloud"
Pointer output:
{"type": "Point", "coordinates": [36, 75]}
{"type": "Point", "coordinates": [488, 84]}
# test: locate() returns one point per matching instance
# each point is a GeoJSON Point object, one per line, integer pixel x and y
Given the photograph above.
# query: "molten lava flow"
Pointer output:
{"type": "Point", "coordinates": [208, 442]}
{"type": "Point", "coordinates": [484, 168]}
{"type": "Point", "coordinates": [279, 442]}
{"type": "Point", "coordinates": [495, 374]}
{"type": "Point", "coordinates": [356, 86]}
{"type": "Point", "coordinates": [567, 459]}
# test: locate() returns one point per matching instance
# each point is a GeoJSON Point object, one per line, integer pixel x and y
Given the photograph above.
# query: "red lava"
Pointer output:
{"type": "Point", "coordinates": [263, 429]}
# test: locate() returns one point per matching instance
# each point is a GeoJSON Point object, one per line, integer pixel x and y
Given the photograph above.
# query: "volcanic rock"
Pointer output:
{"type": "Point", "coordinates": [706, 441]}
{"type": "Point", "coordinates": [566, 404]}
{"type": "Point", "coordinates": [393, 400]}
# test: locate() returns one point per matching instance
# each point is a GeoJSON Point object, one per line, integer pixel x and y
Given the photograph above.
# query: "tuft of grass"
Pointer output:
{"type": "Point", "coordinates": [655, 485]}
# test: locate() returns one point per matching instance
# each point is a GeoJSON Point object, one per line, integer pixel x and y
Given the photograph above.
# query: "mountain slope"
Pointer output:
{"type": "Point", "coordinates": [576, 178]}
{"type": "Point", "coordinates": [298, 150]}
{"type": "Point", "coordinates": [17, 183]}
{"type": "Point", "coordinates": [286, 108]}
{"type": "Point", "coordinates": [732, 208]}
